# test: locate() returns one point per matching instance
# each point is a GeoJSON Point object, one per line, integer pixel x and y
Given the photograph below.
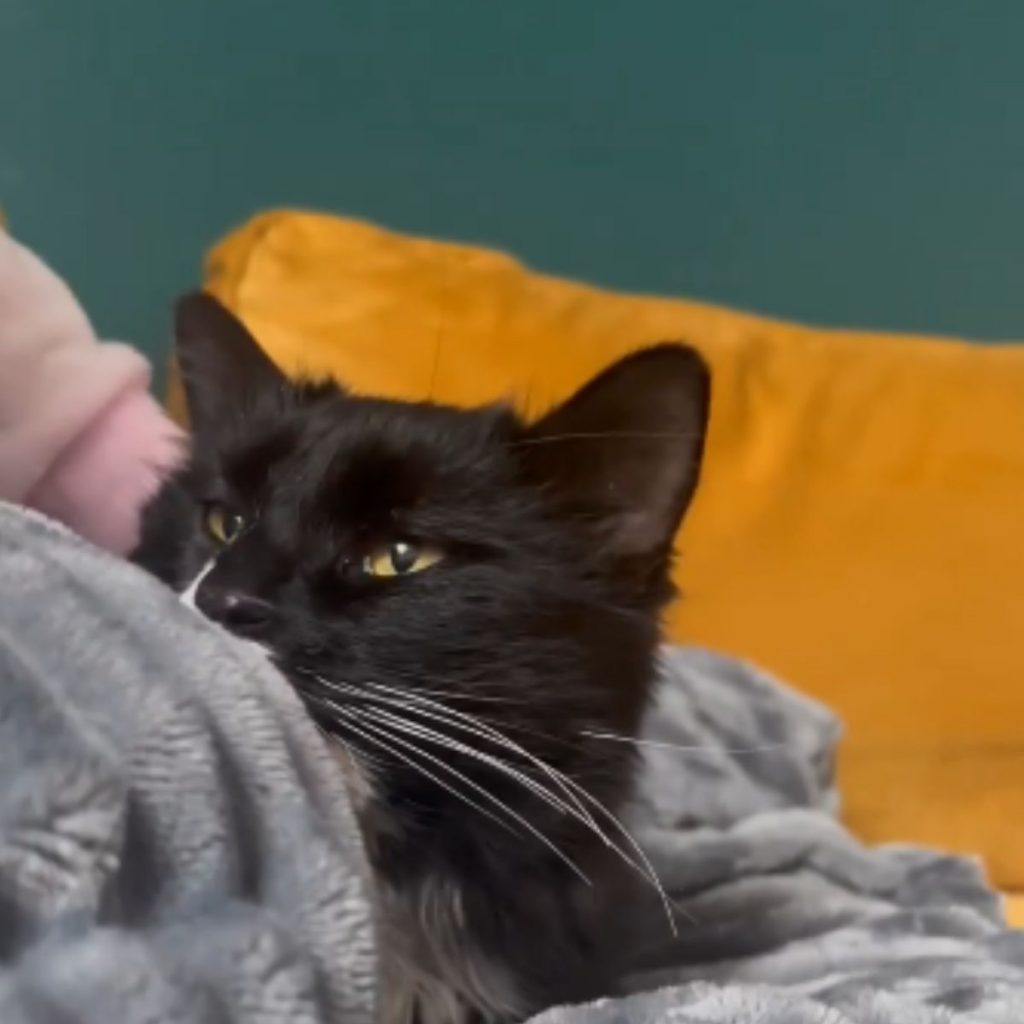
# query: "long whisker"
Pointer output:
{"type": "Point", "coordinates": [530, 784]}
{"type": "Point", "coordinates": [696, 749]}
{"type": "Point", "coordinates": [475, 698]}
{"type": "Point", "coordinates": [466, 780]}
{"type": "Point", "coordinates": [483, 698]}
{"type": "Point", "coordinates": [377, 739]}
{"type": "Point", "coordinates": [497, 763]}
{"type": "Point", "coordinates": [369, 722]}
{"type": "Point", "coordinates": [578, 810]}
{"type": "Point", "coordinates": [667, 904]}
{"type": "Point", "coordinates": [569, 786]}
{"type": "Point", "coordinates": [579, 796]}
{"type": "Point", "coordinates": [478, 727]}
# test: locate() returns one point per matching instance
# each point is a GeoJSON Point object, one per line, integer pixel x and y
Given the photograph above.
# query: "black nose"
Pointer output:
{"type": "Point", "coordinates": [242, 614]}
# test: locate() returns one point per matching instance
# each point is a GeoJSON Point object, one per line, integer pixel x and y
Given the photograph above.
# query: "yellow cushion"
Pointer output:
{"type": "Point", "coordinates": [859, 529]}
{"type": "Point", "coordinates": [1014, 910]}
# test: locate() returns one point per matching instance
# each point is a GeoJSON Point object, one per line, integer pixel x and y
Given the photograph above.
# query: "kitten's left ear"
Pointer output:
{"type": "Point", "coordinates": [223, 369]}
{"type": "Point", "coordinates": [624, 452]}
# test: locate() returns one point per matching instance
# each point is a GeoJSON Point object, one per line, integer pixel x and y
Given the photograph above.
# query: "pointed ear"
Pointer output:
{"type": "Point", "coordinates": [623, 454]}
{"type": "Point", "coordinates": [223, 369]}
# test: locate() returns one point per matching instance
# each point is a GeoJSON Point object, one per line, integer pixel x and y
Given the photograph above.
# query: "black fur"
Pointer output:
{"type": "Point", "coordinates": [541, 619]}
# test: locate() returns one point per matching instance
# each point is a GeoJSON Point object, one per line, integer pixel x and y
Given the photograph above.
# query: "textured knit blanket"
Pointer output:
{"type": "Point", "coordinates": [175, 845]}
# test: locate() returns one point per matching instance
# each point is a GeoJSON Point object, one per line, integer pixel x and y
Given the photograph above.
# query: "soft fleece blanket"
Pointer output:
{"type": "Point", "coordinates": [175, 845]}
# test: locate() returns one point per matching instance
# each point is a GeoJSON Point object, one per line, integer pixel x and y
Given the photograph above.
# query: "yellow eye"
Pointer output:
{"type": "Point", "coordinates": [400, 559]}
{"type": "Point", "coordinates": [222, 524]}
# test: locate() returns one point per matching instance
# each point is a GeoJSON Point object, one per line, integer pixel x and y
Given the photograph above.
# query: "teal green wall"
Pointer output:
{"type": "Point", "coordinates": [844, 163]}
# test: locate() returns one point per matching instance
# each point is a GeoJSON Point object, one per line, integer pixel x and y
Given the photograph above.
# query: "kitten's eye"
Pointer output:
{"type": "Point", "coordinates": [222, 524]}
{"type": "Point", "coordinates": [400, 559]}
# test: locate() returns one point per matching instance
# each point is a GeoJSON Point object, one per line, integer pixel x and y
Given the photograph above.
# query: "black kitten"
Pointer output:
{"type": "Point", "coordinates": [461, 600]}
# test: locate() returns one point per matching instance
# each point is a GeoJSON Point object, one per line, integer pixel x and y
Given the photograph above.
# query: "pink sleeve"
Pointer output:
{"type": "Point", "coordinates": [80, 437]}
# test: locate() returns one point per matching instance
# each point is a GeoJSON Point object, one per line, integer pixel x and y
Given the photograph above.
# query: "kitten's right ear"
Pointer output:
{"type": "Point", "coordinates": [223, 369]}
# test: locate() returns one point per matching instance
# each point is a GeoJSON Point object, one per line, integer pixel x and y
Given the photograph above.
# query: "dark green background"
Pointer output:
{"type": "Point", "coordinates": [845, 163]}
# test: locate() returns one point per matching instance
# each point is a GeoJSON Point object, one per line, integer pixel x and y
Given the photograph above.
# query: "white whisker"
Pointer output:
{"type": "Point", "coordinates": [696, 749]}
{"type": "Point", "coordinates": [368, 721]}
{"type": "Point", "coordinates": [572, 789]}
{"type": "Point", "coordinates": [497, 763]}
{"type": "Point", "coordinates": [577, 794]}
{"type": "Point", "coordinates": [477, 727]}
{"type": "Point", "coordinates": [578, 810]}
{"type": "Point", "coordinates": [648, 868]}
{"type": "Point", "coordinates": [378, 740]}
{"type": "Point", "coordinates": [528, 783]}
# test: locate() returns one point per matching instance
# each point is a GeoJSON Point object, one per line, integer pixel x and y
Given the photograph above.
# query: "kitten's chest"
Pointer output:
{"type": "Point", "coordinates": [433, 970]}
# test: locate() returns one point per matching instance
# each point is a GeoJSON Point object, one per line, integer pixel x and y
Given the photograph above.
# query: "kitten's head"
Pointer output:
{"type": "Point", "coordinates": [409, 562]}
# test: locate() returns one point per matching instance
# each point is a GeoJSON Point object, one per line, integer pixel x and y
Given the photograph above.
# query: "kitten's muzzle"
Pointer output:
{"type": "Point", "coordinates": [239, 613]}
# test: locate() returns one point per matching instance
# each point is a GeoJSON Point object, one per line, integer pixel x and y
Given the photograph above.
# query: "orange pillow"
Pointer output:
{"type": "Point", "coordinates": [858, 527]}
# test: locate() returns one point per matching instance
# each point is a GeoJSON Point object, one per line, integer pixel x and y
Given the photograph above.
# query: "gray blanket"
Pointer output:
{"type": "Point", "coordinates": [175, 845]}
